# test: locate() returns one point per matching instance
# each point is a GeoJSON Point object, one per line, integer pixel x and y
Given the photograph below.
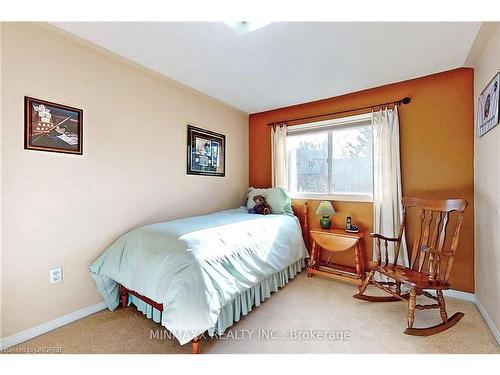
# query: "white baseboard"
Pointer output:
{"type": "Point", "coordinates": [460, 295]}
{"type": "Point", "coordinates": [472, 298]}
{"type": "Point", "coordinates": [494, 330]}
{"type": "Point", "coordinates": [30, 333]}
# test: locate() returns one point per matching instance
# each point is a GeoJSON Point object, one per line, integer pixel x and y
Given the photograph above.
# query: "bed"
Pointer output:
{"type": "Point", "coordinates": [200, 274]}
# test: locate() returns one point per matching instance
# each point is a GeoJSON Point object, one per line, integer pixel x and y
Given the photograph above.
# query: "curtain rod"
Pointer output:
{"type": "Point", "coordinates": [405, 100]}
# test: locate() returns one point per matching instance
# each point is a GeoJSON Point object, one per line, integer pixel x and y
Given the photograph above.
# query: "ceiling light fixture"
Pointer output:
{"type": "Point", "coordinates": [246, 27]}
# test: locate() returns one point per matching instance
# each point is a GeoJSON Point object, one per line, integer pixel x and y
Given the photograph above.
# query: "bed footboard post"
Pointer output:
{"type": "Point", "coordinates": [123, 296]}
{"type": "Point", "coordinates": [195, 345]}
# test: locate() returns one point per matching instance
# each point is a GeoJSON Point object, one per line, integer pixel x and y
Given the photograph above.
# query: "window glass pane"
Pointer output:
{"type": "Point", "coordinates": [352, 170]}
{"type": "Point", "coordinates": [308, 163]}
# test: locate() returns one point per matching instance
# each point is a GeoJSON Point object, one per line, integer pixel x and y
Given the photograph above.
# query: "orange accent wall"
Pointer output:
{"type": "Point", "coordinates": [437, 144]}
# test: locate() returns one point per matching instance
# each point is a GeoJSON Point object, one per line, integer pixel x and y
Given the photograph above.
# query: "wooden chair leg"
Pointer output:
{"type": "Point", "coordinates": [442, 306]}
{"type": "Point", "coordinates": [398, 287]}
{"type": "Point", "coordinates": [195, 345]}
{"type": "Point", "coordinates": [412, 302]}
{"type": "Point", "coordinates": [366, 282]}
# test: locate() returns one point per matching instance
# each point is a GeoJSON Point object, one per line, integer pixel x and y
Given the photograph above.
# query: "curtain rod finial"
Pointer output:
{"type": "Point", "coordinates": [406, 100]}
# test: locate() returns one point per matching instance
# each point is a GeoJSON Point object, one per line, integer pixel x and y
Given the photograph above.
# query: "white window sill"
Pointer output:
{"type": "Point", "coordinates": [367, 198]}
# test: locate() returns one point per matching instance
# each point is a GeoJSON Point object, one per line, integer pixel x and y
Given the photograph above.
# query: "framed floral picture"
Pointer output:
{"type": "Point", "coordinates": [52, 127]}
{"type": "Point", "coordinates": [487, 107]}
{"type": "Point", "coordinates": [206, 152]}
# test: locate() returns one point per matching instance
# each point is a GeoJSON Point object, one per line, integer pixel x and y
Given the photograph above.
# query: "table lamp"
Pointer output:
{"type": "Point", "coordinates": [326, 210]}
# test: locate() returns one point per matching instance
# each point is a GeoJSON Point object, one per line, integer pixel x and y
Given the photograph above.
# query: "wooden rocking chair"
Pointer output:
{"type": "Point", "coordinates": [430, 263]}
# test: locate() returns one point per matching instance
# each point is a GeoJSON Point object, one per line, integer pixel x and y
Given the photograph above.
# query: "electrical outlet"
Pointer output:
{"type": "Point", "coordinates": [55, 275]}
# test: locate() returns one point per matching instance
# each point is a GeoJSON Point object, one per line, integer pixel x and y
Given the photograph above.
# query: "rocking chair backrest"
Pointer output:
{"type": "Point", "coordinates": [431, 244]}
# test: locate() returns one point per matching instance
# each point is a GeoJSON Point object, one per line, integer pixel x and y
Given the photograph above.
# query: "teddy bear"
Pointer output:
{"type": "Point", "coordinates": [261, 206]}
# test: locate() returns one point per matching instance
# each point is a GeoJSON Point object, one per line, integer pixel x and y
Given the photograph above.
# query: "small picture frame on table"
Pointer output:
{"type": "Point", "coordinates": [52, 127]}
{"type": "Point", "coordinates": [206, 152]}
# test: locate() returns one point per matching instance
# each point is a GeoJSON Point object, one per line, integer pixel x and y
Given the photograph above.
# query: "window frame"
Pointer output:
{"type": "Point", "coordinates": [349, 122]}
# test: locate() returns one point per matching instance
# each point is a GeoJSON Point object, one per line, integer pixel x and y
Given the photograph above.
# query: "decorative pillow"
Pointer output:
{"type": "Point", "coordinates": [277, 198]}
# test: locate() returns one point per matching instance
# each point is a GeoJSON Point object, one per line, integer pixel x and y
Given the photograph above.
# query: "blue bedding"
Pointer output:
{"type": "Point", "coordinates": [196, 266]}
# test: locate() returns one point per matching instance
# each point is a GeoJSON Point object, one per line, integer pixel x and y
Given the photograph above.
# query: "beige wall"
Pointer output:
{"type": "Point", "coordinates": [485, 59]}
{"type": "Point", "coordinates": [63, 210]}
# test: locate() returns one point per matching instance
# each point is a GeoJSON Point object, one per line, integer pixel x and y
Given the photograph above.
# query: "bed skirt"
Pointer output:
{"type": "Point", "coordinates": [239, 306]}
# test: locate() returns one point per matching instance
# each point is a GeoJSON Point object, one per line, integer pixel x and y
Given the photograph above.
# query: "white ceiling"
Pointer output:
{"type": "Point", "coordinates": [284, 63]}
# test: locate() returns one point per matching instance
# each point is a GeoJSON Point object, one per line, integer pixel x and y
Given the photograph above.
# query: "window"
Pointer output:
{"type": "Point", "coordinates": [331, 159]}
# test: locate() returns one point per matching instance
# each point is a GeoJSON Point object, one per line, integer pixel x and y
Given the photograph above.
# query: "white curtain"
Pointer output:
{"type": "Point", "coordinates": [387, 208]}
{"type": "Point", "coordinates": [279, 156]}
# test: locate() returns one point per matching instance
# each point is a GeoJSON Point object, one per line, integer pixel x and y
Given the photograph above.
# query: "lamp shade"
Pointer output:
{"type": "Point", "coordinates": [325, 208]}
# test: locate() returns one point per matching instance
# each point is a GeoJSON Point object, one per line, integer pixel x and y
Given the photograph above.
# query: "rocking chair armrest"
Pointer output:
{"type": "Point", "coordinates": [376, 235]}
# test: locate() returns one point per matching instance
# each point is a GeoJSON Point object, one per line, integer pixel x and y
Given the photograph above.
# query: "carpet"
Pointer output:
{"type": "Point", "coordinates": [309, 315]}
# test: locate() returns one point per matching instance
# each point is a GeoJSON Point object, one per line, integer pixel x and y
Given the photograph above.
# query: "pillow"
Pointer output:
{"type": "Point", "coordinates": [278, 199]}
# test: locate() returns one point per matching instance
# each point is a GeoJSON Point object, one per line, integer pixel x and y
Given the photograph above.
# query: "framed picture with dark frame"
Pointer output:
{"type": "Point", "coordinates": [52, 127]}
{"type": "Point", "coordinates": [488, 108]}
{"type": "Point", "coordinates": [206, 152]}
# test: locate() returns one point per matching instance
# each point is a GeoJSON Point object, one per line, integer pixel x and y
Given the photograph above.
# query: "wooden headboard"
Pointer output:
{"type": "Point", "coordinates": [304, 221]}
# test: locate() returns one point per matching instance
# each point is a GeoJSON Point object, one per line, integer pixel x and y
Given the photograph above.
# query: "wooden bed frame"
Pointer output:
{"type": "Point", "coordinates": [195, 343]}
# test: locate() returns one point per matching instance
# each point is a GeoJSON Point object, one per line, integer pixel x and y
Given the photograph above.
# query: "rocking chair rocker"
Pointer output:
{"type": "Point", "coordinates": [430, 264]}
